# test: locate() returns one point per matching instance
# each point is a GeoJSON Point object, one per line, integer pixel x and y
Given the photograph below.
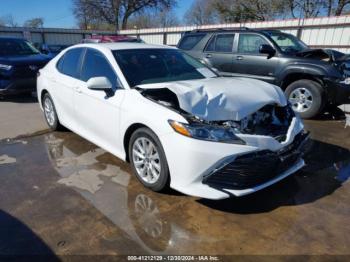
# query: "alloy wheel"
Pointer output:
{"type": "Point", "coordinates": [49, 112]}
{"type": "Point", "coordinates": [146, 160]}
{"type": "Point", "coordinates": [301, 99]}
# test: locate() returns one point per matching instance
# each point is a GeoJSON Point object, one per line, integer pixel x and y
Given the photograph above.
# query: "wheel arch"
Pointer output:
{"type": "Point", "coordinates": [127, 135]}
{"type": "Point", "coordinates": [43, 92]}
{"type": "Point", "coordinates": [293, 77]}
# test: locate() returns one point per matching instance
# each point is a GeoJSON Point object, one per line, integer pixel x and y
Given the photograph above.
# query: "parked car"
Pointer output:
{"type": "Point", "coordinates": [19, 64]}
{"type": "Point", "coordinates": [310, 78]}
{"type": "Point", "coordinates": [111, 39]}
{"type": "Point", "coordinates": [52, 50]}
{"type": "Point", "coordinates": [175, 120]}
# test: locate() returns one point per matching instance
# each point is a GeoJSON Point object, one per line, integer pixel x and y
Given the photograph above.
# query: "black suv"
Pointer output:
{"type": "Point", "coordinates": [311, 78]}
{"type": "Point", "coordinates": [19, 65]}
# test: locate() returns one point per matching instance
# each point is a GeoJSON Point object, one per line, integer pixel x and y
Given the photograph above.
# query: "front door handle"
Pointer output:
{"type": "Point", "coordinates": [239, 57]}
{"type": "Point", "coordinates": [208, 55]}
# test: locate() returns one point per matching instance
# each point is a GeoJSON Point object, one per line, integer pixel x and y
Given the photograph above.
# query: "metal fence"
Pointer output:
{"type": "Point", "coordinates": [322, 32]}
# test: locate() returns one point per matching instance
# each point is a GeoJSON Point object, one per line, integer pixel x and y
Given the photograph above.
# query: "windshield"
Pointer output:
{"type": "Point", "coordinates": [149, 66]}
{"type": "Point", "coordinates": [288, 43]}
{"type": "Point", "coordinates": [16, 47]}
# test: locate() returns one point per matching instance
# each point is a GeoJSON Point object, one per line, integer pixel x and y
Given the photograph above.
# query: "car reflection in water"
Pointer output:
{"type": "Point", "coordinates": [94, 174]}
{"type": "Point", "coordinates": [155, 223]}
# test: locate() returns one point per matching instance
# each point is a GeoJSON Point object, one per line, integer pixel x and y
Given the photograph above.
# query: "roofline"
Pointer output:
{"type": "Point", "coordinates": [221, 29]}
{"type": "Point", "coordinates": [230, 29]}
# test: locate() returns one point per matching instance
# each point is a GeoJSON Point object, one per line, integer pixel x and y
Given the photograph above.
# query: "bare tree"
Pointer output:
{"type": "Point", "coordinates": [116, 12]}
{"type": "Point", "coordinates": [306, 8]}
{"type": "Point", "coordinates": [154, 18]}
{"type": "Point", "coordinates": [201, 12]}
{"type": "Point", "coordinates": [8, 20]}
{"type": "Point", "coordinates": [249, 10]}
{"type": "Point", "coordinates": [34, 23]}
{"type": "Point", "coordinates": [337, 7]}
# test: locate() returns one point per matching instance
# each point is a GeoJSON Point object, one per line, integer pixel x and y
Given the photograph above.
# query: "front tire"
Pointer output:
{"type": "Point", "coordinates": [148, 160]}
{"type": "Point", "coordinates": [306, 97]}
{"type": "Point", "coordinates": [50, 113]}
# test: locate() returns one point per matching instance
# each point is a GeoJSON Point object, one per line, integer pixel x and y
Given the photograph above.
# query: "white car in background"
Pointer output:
{"type": "Point", "coordinates": [176, 121]}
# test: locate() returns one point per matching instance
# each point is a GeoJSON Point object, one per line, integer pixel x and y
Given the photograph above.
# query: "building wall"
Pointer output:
{"type": "Point", "coordinates": [323, 32]}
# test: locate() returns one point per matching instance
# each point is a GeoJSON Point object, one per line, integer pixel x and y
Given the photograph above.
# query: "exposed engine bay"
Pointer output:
{"type": "Point", "coordinates": [270, 120]}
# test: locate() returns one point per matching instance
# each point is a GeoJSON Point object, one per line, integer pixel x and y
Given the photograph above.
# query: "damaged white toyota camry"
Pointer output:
{"type": "Point", "coordinates": [176, 121]}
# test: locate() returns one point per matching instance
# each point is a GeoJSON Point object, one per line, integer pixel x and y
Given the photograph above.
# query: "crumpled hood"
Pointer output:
{"type": "Point", "coordinates": [223, 98]}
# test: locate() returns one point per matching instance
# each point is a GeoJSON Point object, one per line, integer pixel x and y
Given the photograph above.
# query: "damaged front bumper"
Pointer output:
{"type": "Point", "coordinates": [258, 168]}
{"type": "Point", "coordinates": [338, 93]}
{"type": "Point", "coordinates": [208, 170]}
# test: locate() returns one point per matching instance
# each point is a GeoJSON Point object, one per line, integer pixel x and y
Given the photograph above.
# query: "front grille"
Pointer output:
{"type": "Point", "coordinates": [256, 168]}
{"type": "Point", "coordinates": [25, 71]}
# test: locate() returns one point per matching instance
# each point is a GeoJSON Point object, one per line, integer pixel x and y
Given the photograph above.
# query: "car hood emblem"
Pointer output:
{"type": "Point", "coordinates": [33, 67]}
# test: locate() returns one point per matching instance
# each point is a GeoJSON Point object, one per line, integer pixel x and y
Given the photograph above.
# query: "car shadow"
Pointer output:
{"type": "Point", "coordinates": [19, 99]}
{"type": "Point", "coordinates": [327, 168]}
{"type": "Point", "coordinates": [18, 241]}
{"type": "Point", "coordinates": [331, 113]}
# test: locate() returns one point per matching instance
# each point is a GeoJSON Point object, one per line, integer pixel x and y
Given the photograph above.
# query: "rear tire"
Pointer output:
{"type": "Point", "coordinates": [50, 113]}
{"type": "Point", "coordinates": [307, 97]}
{"type": "Point", "coordinates": [148, 160]}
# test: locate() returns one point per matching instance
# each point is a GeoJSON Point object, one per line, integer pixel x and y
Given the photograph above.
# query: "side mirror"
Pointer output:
{"type": "Point", "coordinates": [99, 83]}
{"type": "Point", "coordinates": [267, 49]}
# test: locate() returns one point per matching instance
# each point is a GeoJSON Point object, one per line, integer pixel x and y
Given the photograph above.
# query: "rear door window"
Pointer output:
{"type": "Point", "coordinates": [190, 41]}
{"type": "Point", "coordinates": [222, 43]}
{"type": "Point", "coordinates": [69, 64]}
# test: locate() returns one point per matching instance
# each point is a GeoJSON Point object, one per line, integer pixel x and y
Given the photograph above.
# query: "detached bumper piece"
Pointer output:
{"type": "Point", "coordinates": [256, 168]}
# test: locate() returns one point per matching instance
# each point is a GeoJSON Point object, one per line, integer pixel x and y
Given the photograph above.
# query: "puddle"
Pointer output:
{"type": "Point", "coordinates": [304, 214]}
{"type": "Point", "coordinates": [85, 159]}
{"type": "Point", "coordinates": [11, 141]}
{"type": "Point", "coordinates": [5, 159]}
{"type": "Point", "coordinates": [90, 180]}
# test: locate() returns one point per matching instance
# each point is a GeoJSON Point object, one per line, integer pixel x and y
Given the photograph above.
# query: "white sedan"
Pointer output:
{"type": "Point", "coordinates": [175, 120]}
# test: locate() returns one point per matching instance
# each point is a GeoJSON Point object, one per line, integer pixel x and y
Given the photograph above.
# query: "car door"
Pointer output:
{"type": "Point", "coordinates": [63, 83]}
{"type": "Point", "coordinates": [219, 52]}
{"type": "Point", "coordinates": [96, 111]}
{"type": "Point", "coordinates": [249, 62]}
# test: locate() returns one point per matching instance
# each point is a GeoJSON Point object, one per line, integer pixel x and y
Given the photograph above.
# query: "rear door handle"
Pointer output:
{"type": "Point", "coordinates": [239, 57]}
{"type": "Point", "coordinates": [208, 55]}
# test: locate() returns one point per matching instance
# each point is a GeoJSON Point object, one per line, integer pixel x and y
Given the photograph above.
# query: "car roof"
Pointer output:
{"type": "Point", "coordinates": [124, 45]}
{"type": "Point", "coordinates": [236, 30]}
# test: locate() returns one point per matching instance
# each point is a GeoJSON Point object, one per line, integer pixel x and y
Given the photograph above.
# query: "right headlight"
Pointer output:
{"type": "Point", "coordinates": [207, 132]}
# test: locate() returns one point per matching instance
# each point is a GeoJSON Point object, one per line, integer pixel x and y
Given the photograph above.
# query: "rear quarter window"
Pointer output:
{"type": "Point", "coordinates": [190, 41]}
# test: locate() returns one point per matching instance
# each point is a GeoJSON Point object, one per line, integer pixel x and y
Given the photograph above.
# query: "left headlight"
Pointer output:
{"type": "Point", "coordinates": [5, 67]}
{"type": "Point", "coordinates": [207, 132]}
{"type": "Point", "coordinates": [346, 81]}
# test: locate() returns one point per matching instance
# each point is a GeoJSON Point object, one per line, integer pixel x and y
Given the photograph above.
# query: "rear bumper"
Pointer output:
{"type": "Point", "coordinates": [17, 86]}
{"type": "Point", "coordinates": [338, 93]}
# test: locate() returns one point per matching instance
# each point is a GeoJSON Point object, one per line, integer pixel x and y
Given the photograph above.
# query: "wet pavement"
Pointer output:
{"type": "Point", "coordinates": [60, 194]}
